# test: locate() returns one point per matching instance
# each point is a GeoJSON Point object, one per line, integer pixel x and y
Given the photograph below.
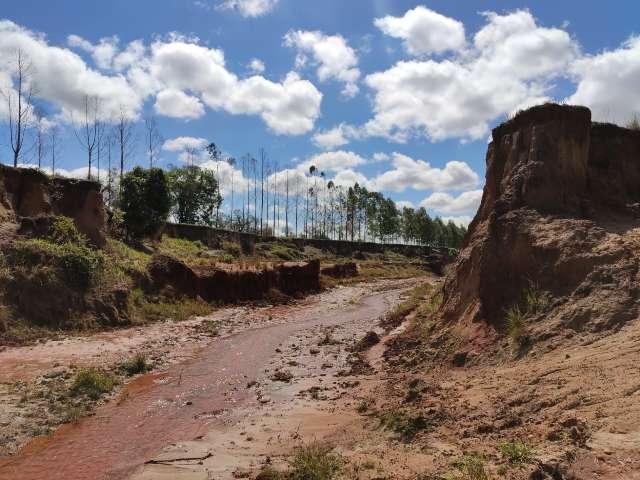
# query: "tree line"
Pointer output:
{"type": "Point", "coordinates": [260, 198]}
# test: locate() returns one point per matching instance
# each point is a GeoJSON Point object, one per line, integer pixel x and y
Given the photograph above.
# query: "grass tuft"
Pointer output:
{"type": "Point", "coordinates": [92, 382]}
{"type": "Point", "coordinates": [135, 365]}
{"type": "Point", "coordinates": [314, 461]}
{"type": "Point", "coordinates": [517, 453]}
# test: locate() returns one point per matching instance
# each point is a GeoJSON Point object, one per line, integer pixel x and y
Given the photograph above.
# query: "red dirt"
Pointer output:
{"type": "Point", "coordinates": [160, 409]}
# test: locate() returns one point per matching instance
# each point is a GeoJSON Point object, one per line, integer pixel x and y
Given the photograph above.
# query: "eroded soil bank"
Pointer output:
{"type": "Point", "coordinates": [200, 384]}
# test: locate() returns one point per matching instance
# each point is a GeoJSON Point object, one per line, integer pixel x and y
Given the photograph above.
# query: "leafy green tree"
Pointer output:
{"type": "Point", "coordinates": [145, 201]}
{"type": "Point", "coordinates": [195, 193]}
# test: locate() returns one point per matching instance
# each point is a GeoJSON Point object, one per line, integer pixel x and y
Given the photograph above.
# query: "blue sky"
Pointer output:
{"type": "Point", "coordinates": [429, 85]}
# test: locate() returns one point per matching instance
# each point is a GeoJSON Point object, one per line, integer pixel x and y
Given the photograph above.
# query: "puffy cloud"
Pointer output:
{"type": "Point", "coordinates": [465, 203]}
{"type": "Point", "coordinates": [607, 82]}
{"type": "Point", "coordinates": [79, 173]}
{"type": "Point", "coordinates": [335, 59]}
{"type": "Point", "coordinates": [73, 78]}
{"type": "Point", "coordinates": [511, 63]}
{"type": "Point", "coordinates": [180, 144]}
{"type": "Point", "coordinates": [249, 8]}
{"type": "Point", "coordinates": [330, 139]}
{"type": "Point", "coordinates": [289, 107]}
{"type": "Point", "coordinates": [177, 104]}
{"type": "Point", "coordinates": [332, 161]}
{"type": "Point", "coordinates": [461, 221]}
{"type": "Point", "coordinates": [183, 74]}
{"type": "Point", "coordinates": [228, 175]}
{"type": "Point", "coordinates": [420, 175]}
{"type": "Point", "coordinates": [380, 157]}
{"type": "Point", "coordinates": [424, 31]}
{"type": "Point", "coordinates": [336, 136]}
{"type": "Point", "coordinates": [256, 65]}
{"type": "Point", "coordinates": [348, 178]}
{"type": "Point", "coordinates": [102, 53]}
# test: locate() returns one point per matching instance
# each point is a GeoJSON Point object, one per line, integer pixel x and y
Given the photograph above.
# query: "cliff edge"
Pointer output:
{"type": "Point", "coordinates": [556, 236]}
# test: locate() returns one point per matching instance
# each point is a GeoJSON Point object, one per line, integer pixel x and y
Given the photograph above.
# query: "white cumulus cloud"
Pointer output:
{"type": "Point", "coordinates": [177, 104]}
{"type": "Point", "coordinates": [420, 175]}
{"type": "Point", "coordinates": [249, 8]}
{"type": "Point", "coordinates": [511, 63]}
{"type": "Point", "coordinates": [332, 161]}
{"type": "Point", "coordinates": [180, 144]}
{"type": "Point", "coordinates": [608, 82]}
{"type": "Point", "coordinates": [424, 31]}
{"type": "Point", "coordinates": [465, 203]}
{"type": "Point", "coordinates": [334, 58]}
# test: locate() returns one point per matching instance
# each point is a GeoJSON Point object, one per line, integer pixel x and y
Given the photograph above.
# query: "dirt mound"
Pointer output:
{"type": "Point", "coordinates": [556, 237]}
{"type": "Point", "coordinates": [340, 270]}
{"type": "Point", "coordinates": [28, 197]}
{"type": "Point", "coordinates": [216, 283]}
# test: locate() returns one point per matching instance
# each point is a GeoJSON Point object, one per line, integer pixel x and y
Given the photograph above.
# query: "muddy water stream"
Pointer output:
{"type": "Point", "coordinates": [181, 403]}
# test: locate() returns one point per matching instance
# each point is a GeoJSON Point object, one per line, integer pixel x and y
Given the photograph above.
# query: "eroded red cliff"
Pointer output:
{"type": "Point", "coordinates": [559, 214]}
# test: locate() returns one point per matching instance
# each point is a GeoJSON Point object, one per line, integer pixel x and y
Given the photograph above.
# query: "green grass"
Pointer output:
{"type": "Point", "coordinates": [270, 473]}
{"type": "Point", "coordinates": [145, 309]}
{"type": "Point", "coordinates": [634, 123]}
{"type": "Point", "coordinates": [184, 250]}
{"type": "Point", "coordinates": [515, 323]}
{"type": "Point", "coordinates": [415, 298]}
{"type": "Point", "coordinates": [135, 365]}
{"type": "Point", "coordinates": [92, 382]}
{"type": "Point", "coordinates": [517, 454]}
{"type": "Point", "coordinates": [314, 461]}
{"type": "Point", "coordinates": [469, 467]}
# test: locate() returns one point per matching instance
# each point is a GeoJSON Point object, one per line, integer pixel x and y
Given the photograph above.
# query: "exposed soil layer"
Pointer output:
{"type": "Point", "coordinates": [558, 220]}
{"type": "Point", "coordinates": [30, 198]}
{"type": "Point", "coordinates": [229, 283]}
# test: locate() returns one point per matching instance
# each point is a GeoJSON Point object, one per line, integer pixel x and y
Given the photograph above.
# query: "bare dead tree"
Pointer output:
{"type": "Point", "coordinates": [262, 190]}
{"type": "Point", "coordinates": [125, 139]}
{"type": "Point", "coordinates": [54, 146]}
{"type": "Point", "coordinates": [90, 129]}
{"type": "Point", "coordinates": [191, 154]}
{"type": "Point", "coordinates": [41, 140]}
{"type": "Point", "coordinates": [18, 96]}
{"type": "Point", "coordinates": [153, 140]}
{"type": "Point", "coordinates": [286, 205]}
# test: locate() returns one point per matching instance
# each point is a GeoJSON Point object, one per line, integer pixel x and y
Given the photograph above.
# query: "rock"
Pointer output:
{"type": "Point", "coordinates": [370, 339]}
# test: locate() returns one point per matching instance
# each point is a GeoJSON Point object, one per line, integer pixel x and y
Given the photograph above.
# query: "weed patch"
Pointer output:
{"type": "Point", "coordinates": [314, 461]}
{"type": "Point", "coordinates": [135, 365]}
{"type": "Point", "coordinates": [92, 382]}
{"type": "Point", "coordinates": [517, 453]}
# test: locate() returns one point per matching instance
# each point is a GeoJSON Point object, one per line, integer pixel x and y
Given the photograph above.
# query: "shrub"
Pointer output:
{"type": "Point", "coordinates": [634, 123]}
{"type": "Point", "coordinates": [470, 467]}
{"type": "Point", "coordinates": [135, 365]}
{"type": "Point", "coordinates": [515, 323]}
{"type": "Point", "coordinates": [270, 473]}
{"type": "Point", "coordinates": [92, 383]}
{"type": "Point", "coordinates": [232, 248]}
{"type": "Point", "coordinates": [314, 462]}
{"type": "Point", "coordinates": [73, 264]}
{"type": "Point", "coordinates": [145, 201]}
{"type": "Point", "coordinates": [516, 453]}
{"type": "Point", "coordinates": [536, 300]}
{"type": "Point", "coordinates": [63, 230]}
